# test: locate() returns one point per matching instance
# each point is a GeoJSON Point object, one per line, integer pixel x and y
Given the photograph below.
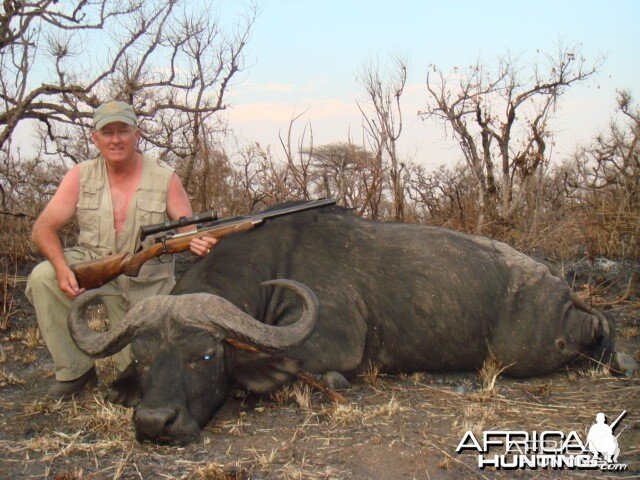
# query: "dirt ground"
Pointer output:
{"type": "Point", "coordinates": [393, 427]}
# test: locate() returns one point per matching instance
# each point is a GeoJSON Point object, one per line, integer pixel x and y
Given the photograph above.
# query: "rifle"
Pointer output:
{"type": "Point", "coordinates": [95, 273]}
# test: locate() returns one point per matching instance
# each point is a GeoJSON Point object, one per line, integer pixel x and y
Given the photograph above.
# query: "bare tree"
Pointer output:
{"type": "Point", "coordinates": [340, 170]}
{"type": "Point", "coordinates": [173, 62]}
{"type": "Point", "coordinates": [382, 119]}
{"type": "Point", "coordinates": [501, 121]}
{"type": "Point", "coordinates": [211, 176]}
{"type": "Point", "coordinates": [299, 160]}
{"type": "Point", "coordinates": [612, 161]}
{"type": "Point", "coordinates": [261, 180]}
{"type": "Point", "coordinates": [602, 182]}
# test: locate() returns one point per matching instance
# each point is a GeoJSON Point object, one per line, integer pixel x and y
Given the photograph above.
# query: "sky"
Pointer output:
{"type": "Point", "coordinates": [304, 56]}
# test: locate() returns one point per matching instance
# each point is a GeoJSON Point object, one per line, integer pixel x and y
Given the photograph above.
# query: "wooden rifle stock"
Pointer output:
{"type": "Point", "coordinates": [96, 273]}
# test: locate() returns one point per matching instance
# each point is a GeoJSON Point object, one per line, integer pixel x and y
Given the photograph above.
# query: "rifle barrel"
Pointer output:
{"type": "Point", "coordinates": [260, 217]}
{"type": "Point", "coordinates": [617, 420]}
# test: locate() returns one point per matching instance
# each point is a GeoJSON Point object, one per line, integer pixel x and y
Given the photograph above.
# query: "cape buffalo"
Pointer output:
{"type": "Point", "coordinates": [402, 297]}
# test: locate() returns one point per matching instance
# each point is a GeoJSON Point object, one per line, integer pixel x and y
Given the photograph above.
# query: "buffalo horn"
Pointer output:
{"type": "Point", "coordinates": [141, 316]}
{"type": "Point", "coordinates": [224, 319]}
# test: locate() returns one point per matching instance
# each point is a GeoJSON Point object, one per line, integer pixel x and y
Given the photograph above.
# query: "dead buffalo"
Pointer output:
{"type": "Point", "coordinates": [403, 297]}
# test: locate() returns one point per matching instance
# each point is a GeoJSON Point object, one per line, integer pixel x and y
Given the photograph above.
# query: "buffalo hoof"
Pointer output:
{"type": "Point", "coordinates": [124, 390]}
{"type": "Point", "coordinates": [334, 380]}
{"type": "Point", "coordinates": [625, 364]}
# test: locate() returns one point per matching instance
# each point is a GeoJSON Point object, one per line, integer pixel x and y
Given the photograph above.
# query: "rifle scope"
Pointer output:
{"type": "Point", "coordinates": [181, 222]}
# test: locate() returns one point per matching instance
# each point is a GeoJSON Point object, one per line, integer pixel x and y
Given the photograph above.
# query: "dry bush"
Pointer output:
{"type": "Point", "coordinates": [7, 287]}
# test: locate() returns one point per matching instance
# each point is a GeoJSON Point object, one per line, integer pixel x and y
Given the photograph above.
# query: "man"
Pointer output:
{"type": "Point", "coordinates": [601, 440]}
{"type": "Point", "coordinates": [112, 196]}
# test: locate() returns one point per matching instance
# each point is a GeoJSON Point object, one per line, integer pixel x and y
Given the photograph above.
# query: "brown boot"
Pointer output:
{"type": "Point", "coordinates": [65, 390]}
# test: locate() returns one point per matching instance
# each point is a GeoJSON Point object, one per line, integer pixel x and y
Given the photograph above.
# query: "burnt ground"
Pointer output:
{"type": "Point", "coordinates": [405, 426]}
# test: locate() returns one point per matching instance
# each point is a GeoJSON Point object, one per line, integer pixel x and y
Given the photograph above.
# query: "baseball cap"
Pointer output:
{"type": "Point", "coordinates": [113, 111]}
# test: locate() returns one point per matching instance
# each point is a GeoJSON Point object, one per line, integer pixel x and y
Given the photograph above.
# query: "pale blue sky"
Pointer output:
{"type": "Point", "coordinates": [305, 54]}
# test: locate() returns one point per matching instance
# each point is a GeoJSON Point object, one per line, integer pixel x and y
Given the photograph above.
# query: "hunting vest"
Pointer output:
{"type": "Point", "coordinates": [95, 217]}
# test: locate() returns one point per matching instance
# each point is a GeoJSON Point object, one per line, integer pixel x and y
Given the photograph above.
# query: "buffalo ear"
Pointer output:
{"type": "Point", "coordinates": [262, 373]}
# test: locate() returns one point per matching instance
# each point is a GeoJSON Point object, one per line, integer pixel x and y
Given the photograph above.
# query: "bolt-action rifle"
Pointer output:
{"type": "Point", "coordinates": [95, 273]}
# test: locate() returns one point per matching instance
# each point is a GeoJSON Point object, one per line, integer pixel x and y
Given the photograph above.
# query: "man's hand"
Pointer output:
{"type": "Point", "coordinates": [68, 283]}
{"type": "Point", "coordinates": [202, 246]}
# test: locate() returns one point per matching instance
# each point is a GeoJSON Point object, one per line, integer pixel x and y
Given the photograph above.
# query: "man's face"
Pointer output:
{"type": "Point", "coordinates": [117, 142]}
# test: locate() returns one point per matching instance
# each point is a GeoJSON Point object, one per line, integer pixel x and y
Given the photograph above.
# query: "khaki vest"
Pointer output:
{"type": "Point", "coordinates": [95, 217]}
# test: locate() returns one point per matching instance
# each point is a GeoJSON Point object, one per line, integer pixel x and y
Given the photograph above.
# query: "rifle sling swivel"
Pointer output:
{"type": "Point", "coordinates": [164, 257]}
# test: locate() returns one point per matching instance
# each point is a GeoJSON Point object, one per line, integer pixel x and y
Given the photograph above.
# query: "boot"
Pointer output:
{"type": "Point", "coordinates": [65, 390]}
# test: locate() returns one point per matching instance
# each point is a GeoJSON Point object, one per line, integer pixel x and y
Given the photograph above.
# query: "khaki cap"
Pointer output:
{"type": "Point", "coordinates": [113, 111]}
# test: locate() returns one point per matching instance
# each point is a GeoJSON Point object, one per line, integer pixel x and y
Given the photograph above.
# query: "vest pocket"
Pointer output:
{"type": "Point", "coordinates": [87, 213]}
{"type": "Point", "coordinates": [151, 211]}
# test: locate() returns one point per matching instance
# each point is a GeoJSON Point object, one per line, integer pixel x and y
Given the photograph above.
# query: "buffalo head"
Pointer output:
{"type": "Point", "coordinates": [183, 364]}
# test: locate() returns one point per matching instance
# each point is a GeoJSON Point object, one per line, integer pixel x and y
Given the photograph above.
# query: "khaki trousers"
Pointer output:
{"type": "Point", "coordinates": [52, 308]}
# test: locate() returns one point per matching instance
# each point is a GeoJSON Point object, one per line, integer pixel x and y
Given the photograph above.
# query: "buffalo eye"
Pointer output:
{"type": "Point", "coordinates": [204, 358]}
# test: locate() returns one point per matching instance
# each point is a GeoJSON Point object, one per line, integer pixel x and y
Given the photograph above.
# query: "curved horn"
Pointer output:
{"type": "Point", "coordinates": [223, 318]}
{"type": "Point", "coordinates": [143, 315]}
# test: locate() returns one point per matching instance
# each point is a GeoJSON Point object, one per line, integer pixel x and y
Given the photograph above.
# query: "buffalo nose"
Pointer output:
{"type": "Point", "coordinates": [153, 423]}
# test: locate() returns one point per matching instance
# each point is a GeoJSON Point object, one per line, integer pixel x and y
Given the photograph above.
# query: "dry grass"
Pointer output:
{"type": "Point", "coordinates": [282, 395]}
{"type": "Point", "coordinates": [216, 471]}
{"type": "Point", "coordinates": [15, 236]}
{"type": "Point", "coordinates": [9, 380]}
{"type": "Point", "coordinates": [298, 392]}
{"type": "Point", "coordinates": [629, 332]}
{"type": "Point", "coordinates": [59, 444]}
{"type": "Point", "coordinates": [29, 337]}
{"type": "Point", "coordinates": [106, 370]}
{"type": "Point", "coordinates": [264, 458]}
{"type": "Point", "coordinates": [7, 307]}
{"type": "Point", "coordinates": [302, 395]}
{"type": "Point", "coordinates": [475, 418]}
{"type": "Point", "coordinates": [489, 373]}
{"type": "Point", "coordinates": [401, 415]}
{"type": "Point", "coordinates": [32, 337]}
{"type": "Point", "coordinates": [349, 414]}
{"type": "Point", "coordinates": [28, 358]}
{"type": "Point", "coordinates": [91, 426]}
{"type": "Point", "coordinates": [445, 464]}
{"type": "Point", "coordinates": [308, 472]}
{"type": "Point", "coordinates": [372, 375]}
{"type": "Point", "coordinates": [75, 474]}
